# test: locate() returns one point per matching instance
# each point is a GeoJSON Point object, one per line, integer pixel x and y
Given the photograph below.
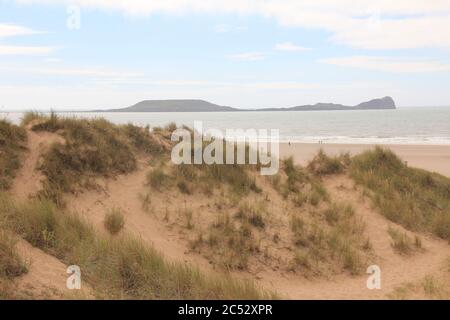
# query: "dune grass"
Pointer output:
{"type": "Point", "coordinates": [323, 164]}
{"type": "Point", "coordinates": [11, 264]}
{"type": "Point", "coordinates": [92, 148]}
{"type": "Point", "coordinates": [253, 214]}
{"type": "Point", "coordinates": [206, 178]}
{"type": "Point", "coordinates": [12, 144]}
{"type": "Point", "coordinates": [122, 267]}
{"type": "Point", "coordinates": [321, 247]}
{"type": "Point", "coordinates": [114, 221]}
{"type": "Point", "coordinates": [402, 243]}
{"type": "Point", "coordinates": [301, 186]}
{"type": "Point", "coordinates": [231, 242]}
{"type": "Point", "coordinates": [415, 198]}
{"type": "Point", "coordinates": [158, 179]}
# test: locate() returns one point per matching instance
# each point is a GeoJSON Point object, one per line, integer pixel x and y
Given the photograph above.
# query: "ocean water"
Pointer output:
{"type": "Point", "coordinates": [424, 125]}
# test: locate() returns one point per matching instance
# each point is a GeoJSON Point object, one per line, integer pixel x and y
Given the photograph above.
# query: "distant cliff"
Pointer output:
{"type": "Point", "coordinates": [174, 106]}
{"type": "Point", "coordinates": [204, 106]}
{"type": "Point", "coordinates": [382, 103]}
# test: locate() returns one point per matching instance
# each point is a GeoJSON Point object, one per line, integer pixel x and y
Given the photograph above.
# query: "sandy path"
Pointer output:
{"type": "Point", "coordinates": [46, 277]}
{"type": "Point", "coordinates": [429, 157]}
{"type": "Point", "coordinates": [28, 180]}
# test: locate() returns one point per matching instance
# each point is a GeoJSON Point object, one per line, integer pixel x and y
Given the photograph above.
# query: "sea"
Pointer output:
{"type": "Point", "coordinates": [414, 125]}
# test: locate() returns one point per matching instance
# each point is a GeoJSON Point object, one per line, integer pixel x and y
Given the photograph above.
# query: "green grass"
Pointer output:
{"type": "Point", "coordinates": [12, 145]}
{"type": "Point", "coordinates": [417, 199]}
{"type": "Point", "coordinates": [122, 267]}
{"type": "Point", "coordinates": [114, 221]}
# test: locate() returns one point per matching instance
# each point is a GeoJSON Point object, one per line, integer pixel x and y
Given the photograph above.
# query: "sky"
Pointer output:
{"type": "Point", "coordinates": [84, 54]}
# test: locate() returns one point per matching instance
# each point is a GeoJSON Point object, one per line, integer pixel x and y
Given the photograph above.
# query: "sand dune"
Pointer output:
{"type": "Point", "coordinates": [170, 236]}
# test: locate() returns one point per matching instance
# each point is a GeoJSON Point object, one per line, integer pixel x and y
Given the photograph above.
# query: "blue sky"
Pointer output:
{"type": "Point", "coordinates": [254, 53]}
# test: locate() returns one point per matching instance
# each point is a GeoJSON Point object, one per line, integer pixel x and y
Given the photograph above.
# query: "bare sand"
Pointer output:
{"type": "Point", "coordinates": [435, 158]}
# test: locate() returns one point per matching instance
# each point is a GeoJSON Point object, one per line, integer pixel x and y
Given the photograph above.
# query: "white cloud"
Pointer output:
{"type": "Point", "coordinates": [247, 56]}
{"type": "Point", "coordinates": [381, 24]}
{"type": "Point", "coordinates": [12, 30]}
{"type": "Point", "coordinates": [389, 64]}
{"type": "Point", "coordinates": [289, 46]}
{"type": "Point", "coordinates": [24, 50]}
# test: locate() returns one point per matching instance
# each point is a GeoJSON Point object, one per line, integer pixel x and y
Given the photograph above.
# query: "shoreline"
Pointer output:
{"type": "Point", "coordinates": [435, 158]}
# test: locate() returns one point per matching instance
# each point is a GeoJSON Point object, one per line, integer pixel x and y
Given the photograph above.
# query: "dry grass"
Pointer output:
{"type": "Point", "coordinates": [158, 179]}
{"type": "Point", "coordinates": [11, 264]}
{"type": "Point", "coordinates": [430, 287]}
{"type": "Point", "coordinates": [119, 267]}
{"type": "Point", "coordinates": [114, 221]}
{"type": "Point", "coordinates": [253, 214]}
{"type": "Point", "coordinates": [12, 145]}
{"type": "Point", "coordinates": [402, 243]}
{"type": "Point", "coordinates": [417, 199]}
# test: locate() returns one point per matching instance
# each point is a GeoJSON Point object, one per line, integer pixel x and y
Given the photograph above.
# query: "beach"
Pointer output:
{"type": "Point", "coordinates": [434, 158]}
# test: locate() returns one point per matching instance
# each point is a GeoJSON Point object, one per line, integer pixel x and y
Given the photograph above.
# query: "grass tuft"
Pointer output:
{"type": "Point", "coordinates": [114, 221]}
{"type": "Point", "coordinates": [322, 164]}
{"type": "Point", "coordinates": [402, 243]}
{"type": "Point", "coordinates": [11, 264]}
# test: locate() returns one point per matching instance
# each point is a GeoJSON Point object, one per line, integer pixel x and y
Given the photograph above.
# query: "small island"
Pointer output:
{"type": "Point", "coordinates": [205, 106]}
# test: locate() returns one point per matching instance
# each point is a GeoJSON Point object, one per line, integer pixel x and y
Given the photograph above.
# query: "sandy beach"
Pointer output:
{"type": "Point", "coordinates": [430, 157]}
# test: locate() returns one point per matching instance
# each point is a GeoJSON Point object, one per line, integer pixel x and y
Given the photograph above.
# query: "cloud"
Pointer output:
{"type": "Point", "coordinates": [247, 56]}
{"type": "Point", "coordinates": [24, 50]}
{"type": "Point", "coordinates": [389, 64]}
{"type": "Point", "coordinates": [289, 46]}
{"type": "Point", "coordinates": [12, 30]}
{"type": "Point", "coordinates": [368, 24]}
